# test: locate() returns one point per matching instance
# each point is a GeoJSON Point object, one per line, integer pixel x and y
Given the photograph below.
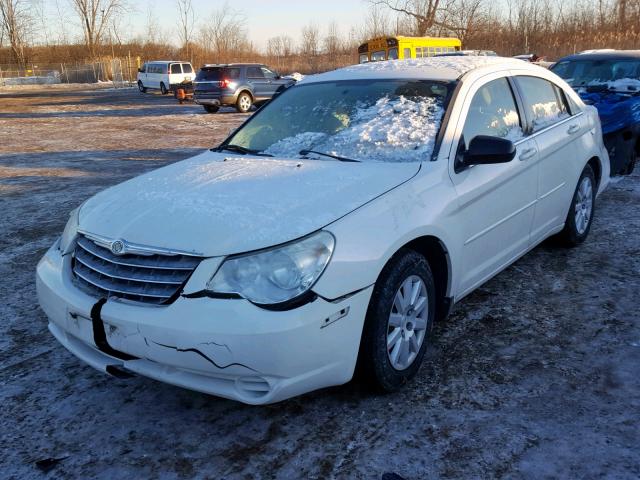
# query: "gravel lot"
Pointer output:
{"type": "Point", "coordinates": [535, 375]}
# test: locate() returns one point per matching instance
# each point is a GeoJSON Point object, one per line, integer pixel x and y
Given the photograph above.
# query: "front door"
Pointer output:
{"type": "Point", "coordinates": [255, 78]}
{"type": "Point", "coordinates": [495, 202]}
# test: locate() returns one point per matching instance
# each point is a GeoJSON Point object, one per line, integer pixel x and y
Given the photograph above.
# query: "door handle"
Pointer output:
{"type": "Point", "coordinates": [527, 154]}
{"type": "Point", "coordinates": [573, 129]}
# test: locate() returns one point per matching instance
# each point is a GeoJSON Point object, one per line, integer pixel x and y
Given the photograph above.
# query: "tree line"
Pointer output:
{"type": "Point", "coordinates": [549, 28]}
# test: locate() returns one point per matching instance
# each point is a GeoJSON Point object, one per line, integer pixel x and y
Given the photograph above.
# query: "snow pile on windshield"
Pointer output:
{"type": "Point", "coordinates": [545, 114]}
{"type": "Point", "coordinates": [398, 129]}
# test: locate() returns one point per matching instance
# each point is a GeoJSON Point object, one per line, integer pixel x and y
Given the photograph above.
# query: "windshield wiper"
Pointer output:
{"type": "Point", "coordinates": [342, 159]}
{"type": "Point", "coordinates": [242, 150]}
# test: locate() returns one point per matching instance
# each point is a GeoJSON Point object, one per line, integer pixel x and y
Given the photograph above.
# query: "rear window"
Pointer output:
{"type": "Point", "coordinates": [217, 74]}
{"type": "Point", "coordinates": [186, 68]}
{"type": "Point", "coordinates": [176, 68]}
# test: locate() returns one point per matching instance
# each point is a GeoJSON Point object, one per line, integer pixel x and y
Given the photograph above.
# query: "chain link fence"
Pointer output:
{"type": "Point", "coordinates": [121, 71]}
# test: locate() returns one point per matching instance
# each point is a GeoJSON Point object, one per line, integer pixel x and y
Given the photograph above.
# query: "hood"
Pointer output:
{"type": "Point", "coordinates": [616, 110]}
{"type": "Point", "coordinates": [214, 205]}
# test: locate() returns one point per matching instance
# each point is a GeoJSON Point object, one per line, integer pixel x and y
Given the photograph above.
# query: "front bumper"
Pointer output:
{"type": "Point", "coordinates": [225, 347]}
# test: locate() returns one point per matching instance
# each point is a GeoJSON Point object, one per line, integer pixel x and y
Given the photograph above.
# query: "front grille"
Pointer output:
{"type": "Point", "coordinates": [154, 279]}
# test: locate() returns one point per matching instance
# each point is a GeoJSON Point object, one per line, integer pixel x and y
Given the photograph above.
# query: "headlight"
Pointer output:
{"type": "Point", "coordinates": [275, 275]}
{"type": "Point", "coordinates": [70, 231]}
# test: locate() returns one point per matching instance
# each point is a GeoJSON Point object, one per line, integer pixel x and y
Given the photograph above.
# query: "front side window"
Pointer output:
{"type": "Point", "coordinates": [543, 101]}
{"type": "Point", "coordinates": [143, 69]}
{"type": "Point", "coordinates": [393, 54]}
{"type": "Point", "coordinates": [365, 120]}
{"type": "Point", "coordinates": [493, 112]}
{"type": "Point", "coordinates": [268, 73]}
{"type": "Point", "coordinates": [379, 56]}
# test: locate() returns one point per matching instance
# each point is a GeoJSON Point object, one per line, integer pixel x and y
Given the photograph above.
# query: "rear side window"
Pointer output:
{"type": "Point", "coordinates": [543, 100]}
{"type": "Point", "coordinates": [254, 72]}
{"type": "Point", "coordinates": [186, 68]}
{"type": "Point", "coordinates": [493, 112]}
{"type": "Point", "coordinates": [176, 68]}
{"type": "Point", "coordinates": [232, 73]}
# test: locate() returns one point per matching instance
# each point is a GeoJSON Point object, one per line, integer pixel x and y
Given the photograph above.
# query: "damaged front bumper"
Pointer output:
{"type": "Point", "coordinates": [225, 347]}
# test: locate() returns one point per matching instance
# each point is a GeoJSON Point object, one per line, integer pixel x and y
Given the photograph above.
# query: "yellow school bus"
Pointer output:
{"type": "Point", "coordinates": [399, 47]}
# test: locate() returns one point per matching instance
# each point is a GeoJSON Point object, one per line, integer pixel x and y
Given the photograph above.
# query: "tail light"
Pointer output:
{"type": "Point", "coordinates": [226, 83]}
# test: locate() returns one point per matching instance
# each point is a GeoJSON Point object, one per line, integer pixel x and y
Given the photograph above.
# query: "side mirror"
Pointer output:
{"type": "Point", "coordinates": [140, 70]}
{"type": "Point", "coordinates": [484, 150]}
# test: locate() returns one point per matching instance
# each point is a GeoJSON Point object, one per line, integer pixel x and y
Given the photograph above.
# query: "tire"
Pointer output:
{"type": "Point", "coordinates": [580, 216]}
{"type": "Point", "coordinates": [163, 89]}
{"type": "Point", "coordinates": [407, 272]}
{"type": "Point", "coordinates": [211, 108]}
{"type": "Point", "coordinates": [141, 87]}
{"type": "Point", "coordinates": [244, 102]}
{"type": "Point", "coordinates": [632, 164]}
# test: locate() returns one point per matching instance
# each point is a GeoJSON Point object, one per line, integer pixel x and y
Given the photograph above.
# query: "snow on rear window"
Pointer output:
{"type": "Point", "coordinates": [392, 130]}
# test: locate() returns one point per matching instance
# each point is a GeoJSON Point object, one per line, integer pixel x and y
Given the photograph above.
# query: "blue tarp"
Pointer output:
{"type": "Point", "coordinates": [616, 111]}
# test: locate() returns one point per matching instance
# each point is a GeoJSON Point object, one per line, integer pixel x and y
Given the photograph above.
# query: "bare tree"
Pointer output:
{"type": "Point", "coordinates": [462, 17]}
{"type": "Point", "coordinates": [186, 22]}
{"type": "Point", "coordinates": [310, 40]}
{"type": "Point", "coordinates": [95, 17]}
{"type": "Point", "coordinates": [15, 20]}
{"type": "Point", "coordinates": [376, 23]}
{"type": "Point", "coordinates": [332, 41]}
{"type": "Point", "coordinates": [423, 13]}
{"type": "Point", "coordinates": [224, 33]}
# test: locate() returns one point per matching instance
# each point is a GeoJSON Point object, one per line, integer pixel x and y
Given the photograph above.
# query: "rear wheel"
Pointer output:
{"type": "Point", "coordinates": [580, 216]}
{"type": "Point", "coordinates": [632, 163]}
{"type": "Point", "coordinates": [244, 102]}
{"type": "Point", "coordinates": [211, 108]}
{"type": "Point", "coordinates": [163, 89]}
{"type": "Point", "coordinates": [141, 87]}
{"type": "Point", "coordinates": [398, 322]}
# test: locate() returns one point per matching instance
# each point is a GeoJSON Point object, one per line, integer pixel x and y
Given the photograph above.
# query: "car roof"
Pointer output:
{"type": "Point", "coordinates": [222, 65]}
{"type": "Point", "coordinates": [604, 55]}
{"type": "Point", "coordinates": [168, 61]}
{"type": "Point", "coordinates": [432, 68]}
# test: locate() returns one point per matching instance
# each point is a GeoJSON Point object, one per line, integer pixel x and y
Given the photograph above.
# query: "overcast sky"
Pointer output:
{"type": "Point", "coordinates": [265, 18]}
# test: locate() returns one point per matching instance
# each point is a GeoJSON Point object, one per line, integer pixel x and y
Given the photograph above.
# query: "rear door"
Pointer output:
{"type": "Point", "coordinates": [496, 202]}
{"type": "Point", "coordinates": [187, 71]}
{"type": "Point", "coordinates": [259, 84]}
{"type": "Point", "coordinates": [556, 131]}
{"type": "Point", "coordinates": [175, 74]}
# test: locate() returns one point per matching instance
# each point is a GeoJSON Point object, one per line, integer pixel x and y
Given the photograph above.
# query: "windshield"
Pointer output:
{"type": "Point", "coordinates": [365, 120]}
{"type": "Point", "coordinates": [623, 75]}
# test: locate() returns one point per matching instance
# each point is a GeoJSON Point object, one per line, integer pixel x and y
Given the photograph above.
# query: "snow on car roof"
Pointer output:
{"type": "Point", "coordinates": [433, 68]}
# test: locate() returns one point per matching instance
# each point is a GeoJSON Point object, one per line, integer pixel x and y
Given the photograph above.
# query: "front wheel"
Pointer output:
{"type": "Point", "coordinates": [141, 87]}
{"type": "Point", "coordinates": [243, 105]}
{"type": "Point", "coordinates": [580, 216]}
{"type": "Point", "coordinates": [398, 322]}
{"type": "Point", "coordinates": [163, 89]}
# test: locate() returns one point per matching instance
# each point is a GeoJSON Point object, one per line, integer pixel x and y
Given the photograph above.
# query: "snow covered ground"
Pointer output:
{"type": "Point", "coordinates": [535, 375]}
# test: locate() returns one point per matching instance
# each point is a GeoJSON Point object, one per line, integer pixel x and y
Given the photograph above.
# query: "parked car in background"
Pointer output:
{"type": "Point", "coordinates": [330, 230]}
{"type": "Point", "coordinates": [469, 53]}
{"type": "Point", "coordinates": [238, 84]}
{"type": "Point", "coordinates": [610, 81]}
{"type": "Point", "coordinates": [164, 75]}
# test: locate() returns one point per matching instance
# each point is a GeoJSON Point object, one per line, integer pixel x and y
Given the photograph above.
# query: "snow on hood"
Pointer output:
{"type": "Point", "coordinates": [616, 110]}
{"type": "Point", "coordinates": [215, 205]}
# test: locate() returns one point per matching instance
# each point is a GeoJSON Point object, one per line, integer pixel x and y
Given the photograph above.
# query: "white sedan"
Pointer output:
{"type": "Point", "coordinates": [329, 231]}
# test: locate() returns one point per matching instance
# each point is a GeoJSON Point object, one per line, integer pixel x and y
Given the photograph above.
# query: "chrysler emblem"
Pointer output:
{"type": "Point", "coordinates": [117, 247]}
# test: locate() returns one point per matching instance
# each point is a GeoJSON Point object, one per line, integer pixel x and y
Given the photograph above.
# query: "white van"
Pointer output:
{"type": "Point", "coordinates": [163, 75]}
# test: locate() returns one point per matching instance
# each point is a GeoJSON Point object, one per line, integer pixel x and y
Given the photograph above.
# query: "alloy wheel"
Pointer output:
{"type": "Point", "coordinates": [584, 205]}
{"type": "Point", "coordinates": [407, 325]}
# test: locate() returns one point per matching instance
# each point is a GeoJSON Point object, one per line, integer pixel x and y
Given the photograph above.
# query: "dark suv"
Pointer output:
{"type": "Point", "coordinates": [238, 84]}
